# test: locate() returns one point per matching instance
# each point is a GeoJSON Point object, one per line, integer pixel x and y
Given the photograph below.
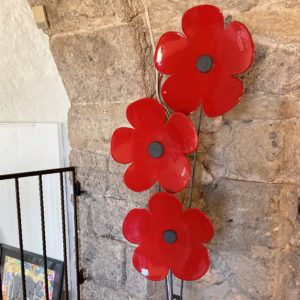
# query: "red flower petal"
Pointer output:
{"type": "Point", "coordinates": [203, 23]}
{"type": "Point", "coordinates": [173, 54]}
{"type": "Point", "coordinates": [199, 227]}
{"type": "Point", "coordinates": [165, 204]}
{"type": "Point", "coordinates": [193, 265]}
{"type": "Point", "coordinates": [140, 177]}
{"type": "Point", "coordinates": [146, 114]}
{"type": "Point", "coordinates": [175, 173]}
{"type": "Point", "coordinates": [236, 48]}
{"type": "Point", "coordinates": [223, 97]}
{"type": "Point", "coordinates": [181, 92]}
{"type": "Point", "coordinates": [122, 145]}
{"type": "Point", "coordinates": [136, 225]}
{"type": "Point", "coordinates": [182, 131]}
{"type": "Point", "coordinates": [149, 260]}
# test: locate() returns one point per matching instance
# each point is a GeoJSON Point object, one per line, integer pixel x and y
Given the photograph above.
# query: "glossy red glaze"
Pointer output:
{"type": "Point", "coordinates": [231, 50]}
{"type": "Point", "coordinates": [131, 145]}
{"type": "Point", "coordinates": [187, 258]}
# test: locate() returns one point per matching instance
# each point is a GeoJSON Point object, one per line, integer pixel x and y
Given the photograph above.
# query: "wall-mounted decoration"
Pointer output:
{"type": "Point", "coordinates": [169, 238]}
{"type": "Point", "coordinates": [201, 64]}
{"type": "Point", "coordinates": [155, 149]}
{"type": "Point", "coordinates": [34, 271]}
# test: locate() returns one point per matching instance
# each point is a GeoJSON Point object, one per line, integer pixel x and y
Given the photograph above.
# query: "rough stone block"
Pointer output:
{"type": "Point", "coordinates": [160, 10]}
{"type": "Point", "coordinates": [282, 25]}
{"type": "Point", "coordinates": [272, 143]}
{"type": "Point", "coordinates": [249, 214]}
{"type": "Point", "coordinates": [109, 65]}
{"type": "Point", "coordinates": [117, 189]}
{"type": "Point", "coordinates": [275, 69]}
{"type": "Point", "coordinates": [89, 160]}
{"type": "Point", "coordinates": [107, 216]}
{"type": "Point", "coordinates": [135, 283]}
{"type": "Point", "coordinates": [71, 15]}
{"type": "Point", "coordinates": [91, 126]}
{"type": "Point", "coordinates": [92, 291]}
{"type": "Point", "coordinates": [265, 106]}
{"type": "Point", "coordinates": [104, 260]}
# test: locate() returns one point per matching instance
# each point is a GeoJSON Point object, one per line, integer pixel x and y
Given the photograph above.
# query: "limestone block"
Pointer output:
{"type": "Point", "coordinates": [160, 10]}
{"type": "Point", "coordinates": [104, 260]}
{"type": "Point", "coordinates": [91, 290]}
{"type": "Point", "coordinates": [71, 15]}
{"type": "Point", "coordinates": [115, 167]}
{"type": "Point", "coordinates": [282, 25]}
{"type": "Point", "coordinates": [118, 190]}
{"type": "Point", "coordinates": [135, 282]}
{"type": "Point", "coordinates": [106, 65]}
{"type": "Point", "coordinates": [107, 216]}
{"type": "Point", "coordinates": [92, 180]}
{"type": "Point", "coordinates": [89, 160]}
{"type": "Point", "coordinates": [262, 105]}
{"type": "Point", "coordinates": [91, 126]}
{"type": "Point", "coordinates": [250, 214]}
{"type": "Point", "coordinates": [272, 143]}
{"type": "Point", "coordinates": [276, 67]}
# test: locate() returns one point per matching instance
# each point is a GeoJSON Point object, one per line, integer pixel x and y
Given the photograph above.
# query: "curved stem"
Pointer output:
{"type": "Point", "coordinates": [194, 163]}
{"type": "Point", "coordinates": [192, 182]}
{"type": "Point", "coordinates": [158, 79]}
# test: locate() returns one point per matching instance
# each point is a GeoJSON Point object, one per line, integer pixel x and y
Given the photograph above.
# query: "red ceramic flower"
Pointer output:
{"type": "Point", "coordinates": [203, 61]}
{"type": "Point", "coordinates": [155, 149]}
{"type": "Point", "coordinates": [169, 238]}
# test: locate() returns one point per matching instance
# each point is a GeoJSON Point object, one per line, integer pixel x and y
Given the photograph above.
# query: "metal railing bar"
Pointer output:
{"type": "Point", "coordinates": [76, 233]}
{"type": "Point", "coordinates": [63, 220]}
{"type": "Point", "coordinates": [44, 236]}
{"type": "Point", "coordinates": [20, 237]}
{"type": "Point", "coordinates": [36, 173]}
{"type": "Point", "coordinates": [1, 296]}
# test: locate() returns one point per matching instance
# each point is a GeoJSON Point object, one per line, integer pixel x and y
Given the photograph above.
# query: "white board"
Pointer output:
{"type": "Point", "coordinates": [30, 147]}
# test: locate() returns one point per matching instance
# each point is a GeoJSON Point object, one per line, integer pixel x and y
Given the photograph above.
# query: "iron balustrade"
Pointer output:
{"type": "Point", "coordinates": [76, 192]}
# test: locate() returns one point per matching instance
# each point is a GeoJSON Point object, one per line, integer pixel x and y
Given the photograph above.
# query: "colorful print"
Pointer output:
{"type": "Point", "coordinates": [35, 282]}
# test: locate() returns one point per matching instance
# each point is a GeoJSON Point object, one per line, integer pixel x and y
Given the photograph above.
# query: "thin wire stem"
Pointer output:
{"type": "Point", "coordinates": [181, 289]}
{"type": "Point", "coordinates": [167, 288]}
{"type": "Point", "coordinates": [158, 80]}
{"type": "Point", "coordinates": [194, 163]}
{"type": "Point", "coordinates": [158, 77]}
{"type": "Point", "coordinates": [192, 183]}
{"type": "Point", "coordinates": [171, 285]}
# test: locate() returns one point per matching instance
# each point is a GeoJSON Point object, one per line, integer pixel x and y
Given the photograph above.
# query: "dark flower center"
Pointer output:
{"type": "Point", "coordinates": [204, 63]}
{"type": "Point", "coordinates": [170, 236]}
{"type": "Point", "coordinates": [155, 149]}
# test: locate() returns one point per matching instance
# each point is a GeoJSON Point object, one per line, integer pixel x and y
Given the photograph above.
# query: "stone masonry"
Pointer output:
{"type": "Point", "coordinates": [248, 169]}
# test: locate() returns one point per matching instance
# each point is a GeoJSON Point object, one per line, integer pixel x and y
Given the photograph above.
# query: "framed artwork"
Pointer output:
{"type": "Point", "coordinates": [34, 272]}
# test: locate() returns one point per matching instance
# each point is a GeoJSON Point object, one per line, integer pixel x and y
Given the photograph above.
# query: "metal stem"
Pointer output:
{"type": "Point", "coordinates": [167, 288]}
{"type": "Point", "coordinates": [171, 285]}
{"type": "Point", "coordinates": [194, 163]}
{"type": "Point", "coordinates": [192, 183]}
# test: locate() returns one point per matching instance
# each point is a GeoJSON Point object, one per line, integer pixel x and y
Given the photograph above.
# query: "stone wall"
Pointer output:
{"type": "Point", "coordinates": [248, 167]}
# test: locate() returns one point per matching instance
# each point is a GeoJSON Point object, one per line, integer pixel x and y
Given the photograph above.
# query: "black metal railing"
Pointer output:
{"type": "Point", "coordinates": [76, 192]}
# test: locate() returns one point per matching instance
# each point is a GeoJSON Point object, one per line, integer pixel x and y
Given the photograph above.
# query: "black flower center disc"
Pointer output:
{"type": "Point", "coordinates": [204, 63]}
{"type": "Point", "coordinates": [155, 149]}
{"type": "Point", "coordinates": [170, 236]}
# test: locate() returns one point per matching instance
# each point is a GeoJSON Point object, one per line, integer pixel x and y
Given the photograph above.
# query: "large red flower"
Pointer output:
{"type": "Point", "coordinates": [155, 149]}
{"type": "Point", "coordinates": [169, 238]}
{"type": "Point", "coordinates": [203, 61]}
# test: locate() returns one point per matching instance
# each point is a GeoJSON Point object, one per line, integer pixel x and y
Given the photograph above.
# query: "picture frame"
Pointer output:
{"type": "Point", "coordinates": [34, 271]}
